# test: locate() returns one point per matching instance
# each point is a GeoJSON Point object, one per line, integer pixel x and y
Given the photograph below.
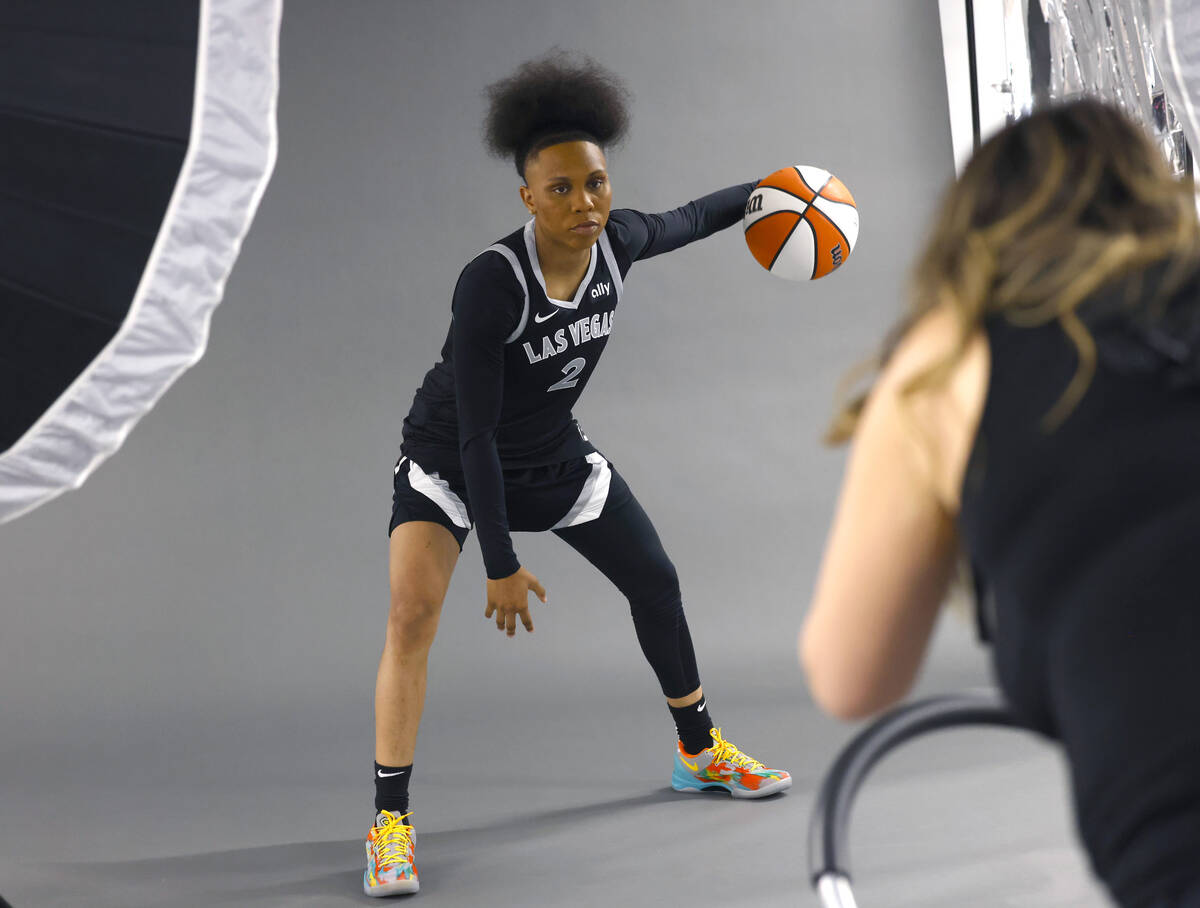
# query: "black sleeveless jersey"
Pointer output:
{"type": "Point", "coordinates": [515, 361]}
{"type": "Point", "coordinates": [1084, 540]}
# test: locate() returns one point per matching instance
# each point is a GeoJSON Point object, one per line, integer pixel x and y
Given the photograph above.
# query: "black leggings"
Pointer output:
{"type": "Point", "coordinates": [625, 548]}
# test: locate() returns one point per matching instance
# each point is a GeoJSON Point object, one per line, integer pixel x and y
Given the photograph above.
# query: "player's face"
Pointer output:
{"type": "Point", "coordinates": [567, 190]}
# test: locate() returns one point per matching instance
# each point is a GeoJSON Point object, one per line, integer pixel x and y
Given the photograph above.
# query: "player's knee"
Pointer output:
{"type": "Point", "coordinates": [657, 597]}
{"type": "Point", "coordinates": [413, 620]}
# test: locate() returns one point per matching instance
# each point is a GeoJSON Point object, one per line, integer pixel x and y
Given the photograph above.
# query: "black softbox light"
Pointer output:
{"type": "Point", "coordinates": [136, 139]}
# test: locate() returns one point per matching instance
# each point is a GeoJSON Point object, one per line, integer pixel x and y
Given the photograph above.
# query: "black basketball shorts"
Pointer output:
{"type": "Point", "coordinates": [537, 499]}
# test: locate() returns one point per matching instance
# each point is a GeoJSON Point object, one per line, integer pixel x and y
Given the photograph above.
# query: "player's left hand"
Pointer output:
{"type": "Point", "coordinates": [508, 598]}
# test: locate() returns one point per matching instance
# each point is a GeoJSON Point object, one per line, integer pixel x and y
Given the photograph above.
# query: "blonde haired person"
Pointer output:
{"type": "Point", "coordinates": [1037, 412]}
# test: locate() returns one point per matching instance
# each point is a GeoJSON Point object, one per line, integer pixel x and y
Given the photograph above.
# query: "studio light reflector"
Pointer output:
{"type": "Point", "coordinates": [136, 140]}
{"type": "Point", "coordinates": [1005, 58]}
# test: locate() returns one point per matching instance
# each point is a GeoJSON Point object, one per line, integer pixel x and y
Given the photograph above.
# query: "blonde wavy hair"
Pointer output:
{"type": "Point", "coordinates": [1048, 211]}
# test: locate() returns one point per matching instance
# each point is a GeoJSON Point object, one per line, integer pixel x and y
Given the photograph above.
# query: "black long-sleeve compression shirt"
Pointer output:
{"type": "Point", "coordinates": [515, 361]}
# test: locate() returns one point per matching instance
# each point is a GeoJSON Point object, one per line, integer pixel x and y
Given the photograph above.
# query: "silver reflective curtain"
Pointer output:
{"type": "Point", "coordinates": [1118, 50]}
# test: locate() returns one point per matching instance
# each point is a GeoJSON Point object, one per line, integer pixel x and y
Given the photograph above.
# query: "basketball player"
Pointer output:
{"type": "Point", "coordinates": [490, 441]}
{"type": "Point", "coordinates": [1039, 410]}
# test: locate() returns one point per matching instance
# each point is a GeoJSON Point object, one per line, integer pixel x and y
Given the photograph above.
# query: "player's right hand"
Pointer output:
{"type": "Point", "coordinates": [509, 597]}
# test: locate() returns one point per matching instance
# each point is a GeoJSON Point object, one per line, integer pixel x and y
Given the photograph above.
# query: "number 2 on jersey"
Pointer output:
{"type": "Point", "coordinates": [571, 374]}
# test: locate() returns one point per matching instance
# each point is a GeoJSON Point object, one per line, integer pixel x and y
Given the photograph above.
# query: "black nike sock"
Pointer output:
{"type": "Point", "coordinates": [391, 788]}
{"type": "Point", "coordinates": [693, 725]}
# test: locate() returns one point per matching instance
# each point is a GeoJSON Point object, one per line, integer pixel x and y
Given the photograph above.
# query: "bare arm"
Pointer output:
{"type": "Point", "coordinates": [892, 547]}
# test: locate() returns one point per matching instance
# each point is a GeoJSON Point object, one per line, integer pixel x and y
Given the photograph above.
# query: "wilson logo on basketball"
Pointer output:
{"type": "Point", "coordinates": [836, 251]}
{"type": "Point", "coordinates": [755, 204]}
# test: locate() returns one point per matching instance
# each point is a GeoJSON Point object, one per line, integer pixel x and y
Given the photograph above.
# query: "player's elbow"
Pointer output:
{"type": "Point", "coordinates": [848, 705]}
{"type": "Point", "coordinates": [846, 701]}
{"type": "Point", "coordinates": [839, 688]}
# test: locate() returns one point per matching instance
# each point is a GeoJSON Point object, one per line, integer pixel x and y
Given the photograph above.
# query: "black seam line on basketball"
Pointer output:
{"type": "Point", "coordinates": [799, 214]}
{"type": "Point", "coordinates": [25, 113]}
{"type": "Point", "coordinates": [816, 192]}
{"type": "Point", "coordinates": [845, 239]}
{"type": "Point", "coordinates": [806, 202]}
{"type": "Point", "coordinates": [818, 195]}
{"type": "Point", "coordinates": [816, 251]}
{"type": "Point", "coordinates": [79, 214]}
{"type": "Point", "coordinates": [779, 251]}
{"type": "Point", "coordinates": [31, 293]}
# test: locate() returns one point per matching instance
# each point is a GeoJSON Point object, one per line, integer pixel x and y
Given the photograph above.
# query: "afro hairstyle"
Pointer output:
{"type": "Point", "coordinates": [553, 99]}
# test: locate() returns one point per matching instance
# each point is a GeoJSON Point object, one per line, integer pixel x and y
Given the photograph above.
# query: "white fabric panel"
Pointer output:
{"type": "Point", "coordinates": [773, 200]}
{"type": "Point", "coordinates": [438, 491]}
{"type": "Point", "coordinates": [591, 499]}
{"type": "Point", "coordinates": [231, 153]}
{"type": "Point", "coordinates": [843, 215]}
{"type": "Point", "coordinates": [520, 273]}
{"type": "Point", "coordinates": [799, 254]}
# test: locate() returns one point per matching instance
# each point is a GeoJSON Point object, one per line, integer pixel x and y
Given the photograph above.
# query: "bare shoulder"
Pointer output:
{"type": "Point", "coordinates": [944, 418]}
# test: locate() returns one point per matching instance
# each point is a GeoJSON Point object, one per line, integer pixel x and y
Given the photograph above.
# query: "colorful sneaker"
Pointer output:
{"type": "Point", "coordinates": [723, 767]}
{"type": "Point", "coordinates": [390, 869]}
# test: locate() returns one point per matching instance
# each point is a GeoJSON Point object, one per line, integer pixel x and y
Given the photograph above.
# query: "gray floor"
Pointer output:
{"type": "Point", "coordinates": [522, 799]}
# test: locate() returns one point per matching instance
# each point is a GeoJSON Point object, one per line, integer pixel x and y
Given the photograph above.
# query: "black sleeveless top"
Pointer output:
{"type": "Point", "coordinates": [1086, 544]}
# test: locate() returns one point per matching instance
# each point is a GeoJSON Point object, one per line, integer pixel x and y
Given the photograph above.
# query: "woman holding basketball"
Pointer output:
{"type": "Point", "coordinates": [1038, 410]}
{"type": "Point", "coordinates": [490, 440]}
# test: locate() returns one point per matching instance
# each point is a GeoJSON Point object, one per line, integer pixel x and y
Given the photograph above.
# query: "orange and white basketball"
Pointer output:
{"type": "Point", "coordinates": [801, 223]}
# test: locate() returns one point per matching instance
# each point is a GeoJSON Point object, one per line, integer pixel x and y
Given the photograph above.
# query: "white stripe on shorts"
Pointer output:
{"type": "Point", "coordinates": [438, 491]}
{"type": "Point", "coordinates": [591, 500]}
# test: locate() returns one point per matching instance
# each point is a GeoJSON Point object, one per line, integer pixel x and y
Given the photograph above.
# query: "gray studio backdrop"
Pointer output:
{"type": "Point", "coordinates": [208, 608]}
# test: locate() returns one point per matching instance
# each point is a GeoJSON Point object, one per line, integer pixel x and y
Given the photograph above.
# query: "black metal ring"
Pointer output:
{"type": "Point", "coordinates": [829, 826]}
